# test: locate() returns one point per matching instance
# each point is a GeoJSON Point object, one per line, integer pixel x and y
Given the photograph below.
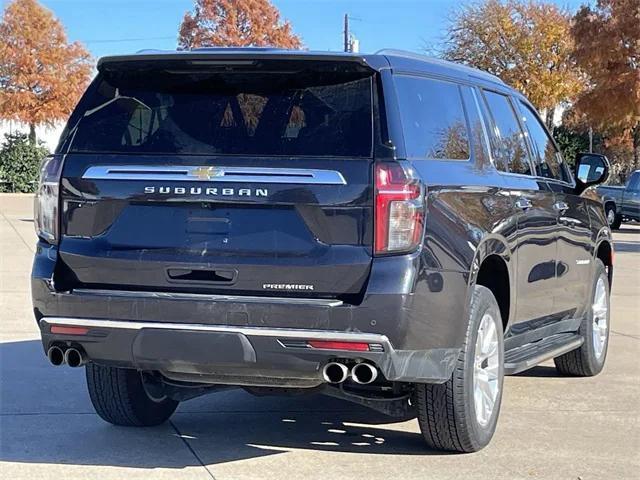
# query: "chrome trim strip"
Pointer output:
{"type": "Point", "coordinates": [319, 302]}
{"type": "Point", "coordinates": [249, 331]}
{"type": "Point", "coordinates": [202, 173]}
{"type": "Point", "coordinates": [485, 131]}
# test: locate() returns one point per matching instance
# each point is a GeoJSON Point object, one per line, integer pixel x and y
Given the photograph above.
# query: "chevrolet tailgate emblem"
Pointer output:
{"type": "Point", "coordinates": [207, 173]}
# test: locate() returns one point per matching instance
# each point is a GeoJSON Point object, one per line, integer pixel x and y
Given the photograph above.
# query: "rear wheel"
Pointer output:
{"type": "Point", "coordinates": [588, 360]}
{"type": "Point", "coordinates": [119, 397]}
{"type": "Point", "coordinates": [461, 414]}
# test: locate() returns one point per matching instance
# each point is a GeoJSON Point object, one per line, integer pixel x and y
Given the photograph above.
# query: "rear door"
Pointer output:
{"type": "Point", "coordinates": [535, 243]}
{"type": "Point", "coordinates": [250, 180]}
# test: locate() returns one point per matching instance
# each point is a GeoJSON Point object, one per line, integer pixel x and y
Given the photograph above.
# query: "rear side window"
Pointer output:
{"type": "Point", "coordinates": [226, 113]}
{"type": "Point", "coordinates": [546, 157]}
{"type": "Point", "coordinates": [634, 182]}
{"type": "Point", "coordinates": [433, 119]}
{"type": "Point", "coordinates": [507, 139]}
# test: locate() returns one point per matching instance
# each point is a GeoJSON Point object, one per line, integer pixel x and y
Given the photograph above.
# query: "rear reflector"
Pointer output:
{"type": "Point", "coordinates": [64, 330]}
{"type": "Point", "coordinates": [331, 345]}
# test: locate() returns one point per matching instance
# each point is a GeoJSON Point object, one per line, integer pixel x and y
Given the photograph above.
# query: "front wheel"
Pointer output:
{"type": "Point", "coordinates": [588, 360]}
{"type": "Point", "coordinates": [119, 397]}
{"type": "Point", "coordinates": [461, 414]}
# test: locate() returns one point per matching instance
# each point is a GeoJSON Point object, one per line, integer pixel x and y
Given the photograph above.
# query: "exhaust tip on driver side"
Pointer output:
{"type": "Point", "coordinates": [334, 372]}
{"type": "Point", "coordinates": [55, 356]}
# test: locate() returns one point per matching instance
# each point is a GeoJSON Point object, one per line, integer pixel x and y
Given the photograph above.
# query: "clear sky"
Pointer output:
{"type": "Point", "coordinates": [124, 26]}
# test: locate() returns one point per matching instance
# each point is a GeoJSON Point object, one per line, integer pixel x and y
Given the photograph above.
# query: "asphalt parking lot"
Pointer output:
{"type": "Point", "coordinates": [550, 426]}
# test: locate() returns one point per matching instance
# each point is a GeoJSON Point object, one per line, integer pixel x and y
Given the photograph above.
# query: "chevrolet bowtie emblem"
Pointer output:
{"type": "Point", "coordinates": [207, 173]}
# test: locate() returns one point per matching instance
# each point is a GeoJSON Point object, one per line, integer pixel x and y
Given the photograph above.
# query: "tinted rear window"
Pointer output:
{"type": "Point", "coordinates": [256, 113]}
{"type": "Point", "coordinates": [433, 119]}
{"type": "Point", "coordinates": [509, 148]}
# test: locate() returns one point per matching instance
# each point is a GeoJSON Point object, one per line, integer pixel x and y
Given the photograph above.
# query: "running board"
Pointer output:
{"type": "Point", "coordinates": [532, 354]}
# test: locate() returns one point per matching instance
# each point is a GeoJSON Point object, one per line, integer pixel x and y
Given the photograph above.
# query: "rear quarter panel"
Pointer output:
{"type": "Point", "coordinates": [468, 218]}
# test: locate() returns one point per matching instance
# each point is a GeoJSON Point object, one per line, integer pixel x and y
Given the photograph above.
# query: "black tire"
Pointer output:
{"type": "Point", "coordinates": [610, 212]}
{"type": "Point", "coordinates": [447, 412]}
{"type": "Point", "coordinates": [583, 361]}
{"type": "Point", "coordinates": [617, 222]}
{"type": "Point", "coordinates": [119, 397]}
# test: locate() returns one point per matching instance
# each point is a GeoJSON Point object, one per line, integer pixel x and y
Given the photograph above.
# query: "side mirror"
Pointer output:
{"type": "Point", "coordinates": [591, 169]}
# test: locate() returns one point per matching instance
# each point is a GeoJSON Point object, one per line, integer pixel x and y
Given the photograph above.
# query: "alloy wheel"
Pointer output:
{"type": "Point", "coordinates": [600, 321]}
{"type": "Point", "coordinates": [486, 370]}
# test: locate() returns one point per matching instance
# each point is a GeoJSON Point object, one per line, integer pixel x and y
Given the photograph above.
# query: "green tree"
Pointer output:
{"type": "Point", "coordinates": [572, 142]}
{"type": "Point", "coordinates": [19, 163]}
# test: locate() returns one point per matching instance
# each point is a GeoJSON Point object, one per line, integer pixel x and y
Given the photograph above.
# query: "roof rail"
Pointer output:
{"type": "Point", "coordinates": [227, 49]}
{"type": "Point", "coordinates": [149, 51]}
{"type": "Point", "coordinates": [439, 61]}
{"type": "Point", "coordinates": [403, 53]}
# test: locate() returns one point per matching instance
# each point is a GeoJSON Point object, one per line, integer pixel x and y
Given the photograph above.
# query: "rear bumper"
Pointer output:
{"type": "Point", "coordinates": [418, 318]}
{"type": "Point", "coordinates": [247, 356]}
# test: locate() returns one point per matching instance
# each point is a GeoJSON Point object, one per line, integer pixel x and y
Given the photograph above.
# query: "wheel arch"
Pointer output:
{"type": "Point", "coordinates": [604, 252]}
{"type": "Point", "coordinates": [494, 268]}
{"type": "Point", "coordinates": [610, 202]}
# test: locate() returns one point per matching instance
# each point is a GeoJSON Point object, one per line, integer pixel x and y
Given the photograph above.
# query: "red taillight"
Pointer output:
{"type": "Point", "coordinates": [399, 203]}
{"type": "Point", "coordinates": [67, 330]}
{"type": "Point", "coordinates": [332, 345]}
{"type": "Point", "coordinates": [46, 199]}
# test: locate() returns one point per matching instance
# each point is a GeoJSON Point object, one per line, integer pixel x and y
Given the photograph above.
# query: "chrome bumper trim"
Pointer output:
{"type": "Point", "coordinates": [248, 331]}
{"type": "Point", "coordinates": [319, 302]}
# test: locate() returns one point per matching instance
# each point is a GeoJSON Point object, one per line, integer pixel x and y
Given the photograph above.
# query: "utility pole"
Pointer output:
{"type": "Point", "coordinates": [346, 32]}
{"type": "Point", "coordinates": [590, 139]}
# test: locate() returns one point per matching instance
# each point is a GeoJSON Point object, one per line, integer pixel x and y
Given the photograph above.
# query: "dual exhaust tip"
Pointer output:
{"type": "Point", "coordinates": [71, 356]}
{"type": "Point", "coordinates": [332, 372]}
{"type": "Point", "coordinates": [362, 373]}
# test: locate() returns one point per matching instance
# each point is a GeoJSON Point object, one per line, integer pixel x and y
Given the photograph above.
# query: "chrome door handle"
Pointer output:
{"type": "Point", "coordinates": [523, 203]}
{"type": "Point", "coordinates": [560, 206]}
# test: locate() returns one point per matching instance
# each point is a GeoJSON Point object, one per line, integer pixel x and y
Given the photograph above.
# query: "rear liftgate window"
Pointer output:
{"type": "Point", "coordinates": [231, 113]}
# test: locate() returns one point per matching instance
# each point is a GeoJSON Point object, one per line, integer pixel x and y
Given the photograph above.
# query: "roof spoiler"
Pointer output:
{"type": "Point", "coordinates": [229, 56]}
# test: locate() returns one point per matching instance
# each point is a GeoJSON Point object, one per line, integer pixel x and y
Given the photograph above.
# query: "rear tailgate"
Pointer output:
{"type": "Point", "coordinates": [177, 180]}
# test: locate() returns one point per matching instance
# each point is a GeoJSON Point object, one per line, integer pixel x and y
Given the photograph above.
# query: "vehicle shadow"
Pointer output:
{"type": "Point", "coordinates": [540, 371]}
{"type": "Point", "coordinates": [46, 417]}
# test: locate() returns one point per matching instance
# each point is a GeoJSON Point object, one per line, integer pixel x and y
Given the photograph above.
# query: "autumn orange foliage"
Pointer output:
{"type": "Point", "coordinates": [41, 74]}
{"type": "Point", "coordinates": [236, 23]}
{"type": "Point", "coordinates": [526, 43]}
{"type": "Point", "coordinates": [607, 40]}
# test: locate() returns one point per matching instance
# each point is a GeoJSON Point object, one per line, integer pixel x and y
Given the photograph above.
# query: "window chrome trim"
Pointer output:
{"type": "Point", "coordinates": [249, 331]}
{"type": "Point", "coordinates": [204, 173]}
{"type": "Point", "coordinates": [485, 132]}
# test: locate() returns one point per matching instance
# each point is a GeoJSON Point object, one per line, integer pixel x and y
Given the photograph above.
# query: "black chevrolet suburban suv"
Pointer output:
{"type": "Point", "coordinates": [389, 229]}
